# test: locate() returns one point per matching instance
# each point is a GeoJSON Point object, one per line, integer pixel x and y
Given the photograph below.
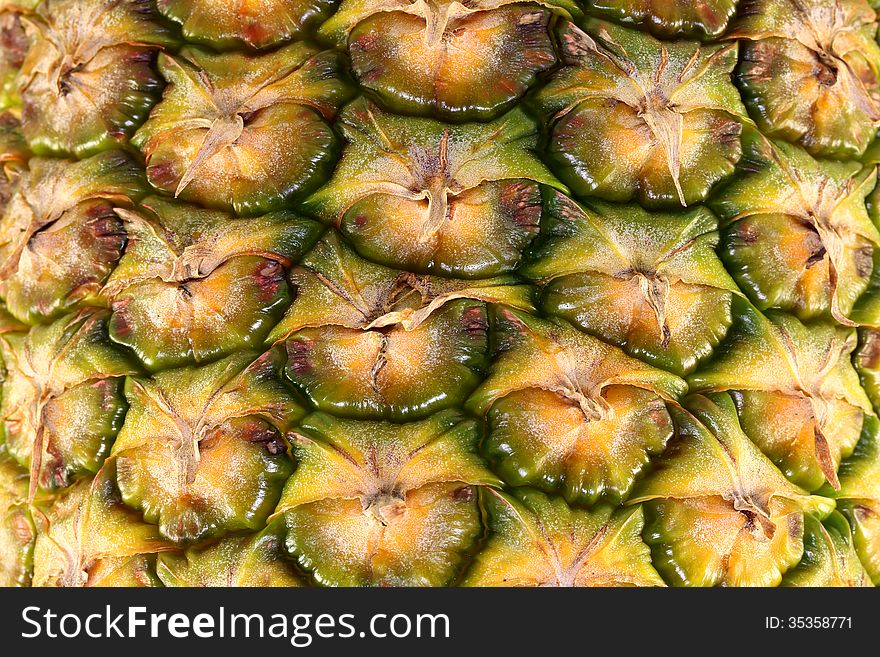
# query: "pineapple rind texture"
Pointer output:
{"type": "Point", "coordinates": [439, 293]}
{"type": "Point", "coordinates": [92, 63]}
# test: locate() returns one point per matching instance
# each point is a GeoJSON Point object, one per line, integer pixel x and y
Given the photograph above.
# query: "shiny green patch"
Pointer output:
{"type": "Point", "coordinates": [859, 497]}
{"type": "Point", "coordinates": [257, 24]}
{"type": "Point", "coordinates": [829, 556]}
{"type": "Point", "coordinates": [703, 19]}
{"type": "Point", "coordinates": [367, 341]}
{"type": "Point", "coordinates": [393, 373]}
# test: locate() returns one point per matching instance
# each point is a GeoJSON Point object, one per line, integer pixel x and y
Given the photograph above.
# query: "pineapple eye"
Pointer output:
{"type": "Point", "coordinates": [458, 200]}
{"type": "Point", "coordinates": [858, 494]}
{"type": "Point", "coordinates": [199, 147]}
{"type": "Point", "coordinates": [369, 373]}
{"type": "Point", "coordinates": [785, 377]}
{"type": "Point", "coordinates": [63, 394]}
{"type": "Point", "coordinates": [865, 519]}
{"type": "Point", "coordinates": [356, 335]}
{"type": "Point", "coordinates": [258, 25]}
{"type": "Point", "coordinates": [251, 560]}
{"type": "Point", "coordinates": [195, 284]}
{"type": "Point", "coordinates": [558, 410]}
{"type": "Point", "coordinates": [376, 503]}
{"type": "Point", "coordinates": [541, 541]}
{"type": "Point", "coordinates": [86, 536]}
{"type": "Point", "coordinates": [830, 558]}
{"type": "Point", "coordinates": [807, 244]}
{"type": "Point", "coordinates": [633, 118]}
{"type": "Point", "coordinates": [65, 237]}
{"type": "Point", "coordinates": [85, 66]}
{"type": "Point", "coordinates": [649, 283]}
{"type": "Point", "coordinates": [827, 69]}
{"type": "Point", "coordinates": [833, 60]}
{"type": "Point", "coordinates": [190, 457]}
{"type": "Point", "coordinates": [719, 512]}
{"type": "Point", "coordinates": [446, 58]}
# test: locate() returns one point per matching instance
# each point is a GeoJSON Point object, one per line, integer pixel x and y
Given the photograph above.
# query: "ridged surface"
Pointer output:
{"type": "Point", "coordinates": [484, 293]}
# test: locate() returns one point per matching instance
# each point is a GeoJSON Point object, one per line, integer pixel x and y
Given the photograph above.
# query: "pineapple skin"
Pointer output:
{"type": "Point", "coordinates": [433, 293]}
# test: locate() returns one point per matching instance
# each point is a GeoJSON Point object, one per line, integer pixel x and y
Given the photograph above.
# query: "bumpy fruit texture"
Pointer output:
{"type": "Point", "coordinates": [456, 60]}
{"type": "Point", "coordinates": [86, 536]}
{"type": "Point", "coordinates": [798, 235]}
{"type": "Point", "coordinates": [197, 284]}
{"type": "Point", "coordinates": [17, 530]}
{"type": "Point", "coordinates": [571, 413]}
{"type": "Point", "coordinates": [859, 498]}
{"type": "Point", "coordinates": [540, 541]}
{"type": "Point", "coordinates": [235, 560]}
{"type": "Point", "coordinates": [382, 503]}
{"type": "Point", "coordinates": [650, 283]}
{"type": "Point", "coordinates": [202, 450]}
{"type": "Point", "coordinates": [829, 556]}
{"type": "Point", "coordinates": [417, 194]}
{"type": "Point", "coordinates": [719, 511]}
{"type": "Point", "coordinates": [633, 118]}
{"type": "Point", "coordinates": [91, 62]}
{"type": "Point", "coordinates": [826, 54]}
{"type": "Point", "coordinates": [256, 24]}
{"type": "Point", "coordinates": [61, 235]}
{"type": "Point", "coordinates": [797, 393]}
{"type": "Point", "coordinates": [701, 19]}
{"type": "Point", "coordinates": [62, 399]}
{"type": "Point", "coordinates": [363, 340]}
{"type": "Point", "coordinates": [242, 132]}
{"type": "Point", "coordinates": [439, 292]}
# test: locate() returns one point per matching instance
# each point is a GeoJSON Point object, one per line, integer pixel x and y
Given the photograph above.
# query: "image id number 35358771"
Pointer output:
{"type": "Point", "coordinates": [808, 622]}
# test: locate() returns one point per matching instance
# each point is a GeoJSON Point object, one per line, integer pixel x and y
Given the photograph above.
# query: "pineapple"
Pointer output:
{"type": "Point", "coordinates": [435, 292]}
